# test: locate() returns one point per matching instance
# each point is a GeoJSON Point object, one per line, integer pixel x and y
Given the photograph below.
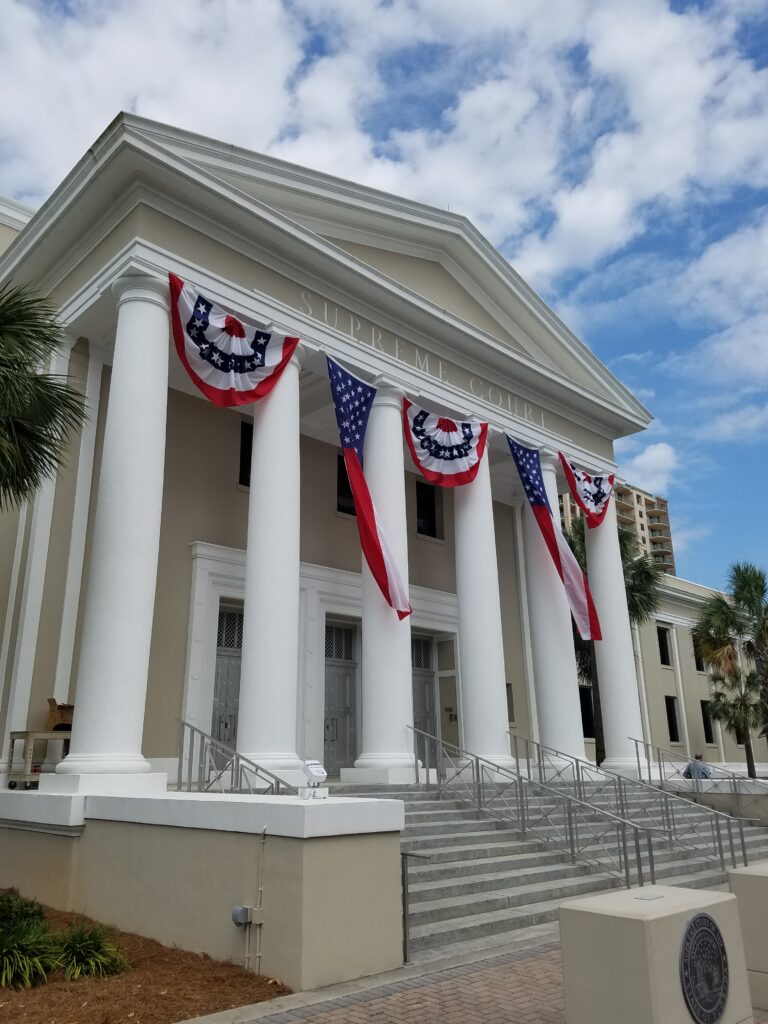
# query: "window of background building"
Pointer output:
{"type": "Point", "coordinates": [429, 510]}
{"type": "Point", "coordinates": [344, 500]}
{"type": "Point", "coordinates": [665, 651]}
{"type": "Point", "coordinates": [672, 724]}
{"type": "Point", "coordinates": [709, 732]}
{"type": "Point", "coordinates": [699, 661]}
{"type": "Point", "coordinates": [246, 443]}
{"type": "Point", "coordinates": [587, 712]}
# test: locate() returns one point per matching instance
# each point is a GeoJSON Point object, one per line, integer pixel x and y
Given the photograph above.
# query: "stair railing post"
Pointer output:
{"type": "Point", "coordinates": [638, 857]}
{"type": "Point", "coordinates": [651, 861]}
{"type": "Point", "coordinates": [743, 842]}
{"type": "Point", "coordinates": [730, 842]}
{"type": "Point", "coordinates": [180, 767]}
{"type": "Point", "coordinates": [478, 785]}
{"type": "Point", "coordinates": [568, 817]}
{"type": "Point", "coordinates": [719, 843]}
{"type": "Point", "coordinates": [625, 855]}
{"type": "Point", "coordinates": [404, 884]}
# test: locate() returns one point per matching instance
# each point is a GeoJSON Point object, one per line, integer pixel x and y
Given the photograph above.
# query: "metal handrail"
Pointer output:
{"type": "Point", "coordinates": [209, 762]}
{"type": "Point", "coordinates": [694, 827]}
{"type": "Point", "coordinates": [677, 766]}
{"type": "Point", "coordinates": [581, 830]}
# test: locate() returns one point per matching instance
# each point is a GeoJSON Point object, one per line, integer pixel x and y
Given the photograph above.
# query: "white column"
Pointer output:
{"type": "Point", "coordinates": [387, 680]}
{"type": "Point", "coordinates": [614, 654]}
{"type": "Point", "coordinates": [71, 602]}
{"type": "Point", "coordinates": [120, 596]}
{"type": "Point", "coordinates": [554, 657]}
{"type": "Point", "coordinates": [267, 723]}
{"type": "Point", "coordinates": [33, 587]}
{"type": "Point", "coordinates": [484, 713]}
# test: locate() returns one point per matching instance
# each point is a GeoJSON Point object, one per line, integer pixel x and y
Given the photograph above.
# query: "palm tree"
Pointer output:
{"type": "Point", "coordinates": [736, 622]}
{"type": "Point", "coordinates": [736, 703]}
{"type": "Point", "coordinates": [642, 580]}
{"type": "Point", "coordinates": [38, 411]}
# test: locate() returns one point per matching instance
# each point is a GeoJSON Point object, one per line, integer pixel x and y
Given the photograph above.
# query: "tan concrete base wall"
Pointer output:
{"type": "Point", "coordinates": [40, 864]}
{"type": "Point", "coordinates": [331, 906]}
{"type": "Point", "coordinates": [742, 805]}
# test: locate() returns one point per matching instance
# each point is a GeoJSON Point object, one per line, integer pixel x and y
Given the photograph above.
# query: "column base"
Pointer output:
{"type": "Point", "coordinates": [103, 764]}
{"type": "Point", "coordinates": [381, 776]}
{"type": "Point", "coordinates": [626, 766]}
{"type": "Point", "coordinates": [105, 783]}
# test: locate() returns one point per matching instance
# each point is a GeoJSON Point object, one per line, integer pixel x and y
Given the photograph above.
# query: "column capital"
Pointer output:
{"type": "Point", "coordinates": [549, 459]}
{"type": "Point", "coordinates": [142, 288]}
{"type": "Point", "coordinates": [387, 392]}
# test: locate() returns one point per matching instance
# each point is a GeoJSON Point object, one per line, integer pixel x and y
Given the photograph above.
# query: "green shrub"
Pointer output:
{"type": "Point", "coordinates": [27, 953]}
{"type": "Point", "coordinates": [14, 907]}
{"type": "Point", "coordinates": [85, 950]}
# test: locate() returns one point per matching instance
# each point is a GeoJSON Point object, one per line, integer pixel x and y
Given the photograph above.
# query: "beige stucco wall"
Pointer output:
{"type": "Point", "coordinates": [430, 279]}
{"type": "Point", "coordinates": [7, 235]}
{"type": "Point", "coordinates": [331, 906]}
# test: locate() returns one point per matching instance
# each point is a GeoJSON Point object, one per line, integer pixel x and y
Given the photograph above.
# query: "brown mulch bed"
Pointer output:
{"type": "Point", "coordinates": [162, 986]}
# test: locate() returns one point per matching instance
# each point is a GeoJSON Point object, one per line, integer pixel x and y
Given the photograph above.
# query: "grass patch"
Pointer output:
{"type": "Point", "coordinates": [28, 954]}
{"type": "Point", "coordinates": [85, 951]}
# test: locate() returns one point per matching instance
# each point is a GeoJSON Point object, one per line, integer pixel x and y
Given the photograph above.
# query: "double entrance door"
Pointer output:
{"type": "Point", "coordinates": [434, 688]}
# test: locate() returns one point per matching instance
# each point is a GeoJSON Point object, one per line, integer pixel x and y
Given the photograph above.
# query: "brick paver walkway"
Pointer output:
{"type": "Point", "coordinates": [523, 987]}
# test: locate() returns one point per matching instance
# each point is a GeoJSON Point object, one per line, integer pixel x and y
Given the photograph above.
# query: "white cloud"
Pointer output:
{"type": "Point", "coordinates": [685, 536]}
{"type": "Point", "coordinates": [651, 469]}
{"type": "Point", "coordinates": [748, 423]}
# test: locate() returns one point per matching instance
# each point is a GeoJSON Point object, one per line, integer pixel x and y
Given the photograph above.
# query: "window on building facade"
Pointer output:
{"type": "Point", "coordinates": [699, 661]}
{"type": "Point", "coordinates": [709, 732]}
{"type": "Point", "coordinates": [344, 500]}
{"type": "Point", "coordinates": [429, 510]}
{"type": "Point", "coordinates": [246, 444]}
{"type": "Point", "coordinates": [665, 650]}
{"type": "Point", "coordinates": [672, 723]}
{"type": "Point", "coordinates": [587, 712]}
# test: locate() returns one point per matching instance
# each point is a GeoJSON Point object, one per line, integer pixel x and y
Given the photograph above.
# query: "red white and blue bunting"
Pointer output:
{"type": "Point", "coordinates": [446, 452]}
{"type": "Point", "coordinates": [591, 493]}
{"type": "Point", "coordinates": [231, 362]}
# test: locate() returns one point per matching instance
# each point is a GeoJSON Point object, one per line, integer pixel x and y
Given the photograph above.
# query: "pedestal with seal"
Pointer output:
{"type": "Point", "coordinates": [654, 955]}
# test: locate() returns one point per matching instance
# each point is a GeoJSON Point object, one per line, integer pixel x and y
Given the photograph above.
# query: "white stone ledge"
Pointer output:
{"type": "Point", "coordinates": [282, 816]}
{"type": "Point", "coordinates": [42, 808]}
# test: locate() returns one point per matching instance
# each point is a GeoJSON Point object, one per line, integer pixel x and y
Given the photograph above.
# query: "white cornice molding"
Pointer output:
{"type": "Point", "coordinates": [141, 257]}
{"type": "Point", "coordinates": [14, 214]}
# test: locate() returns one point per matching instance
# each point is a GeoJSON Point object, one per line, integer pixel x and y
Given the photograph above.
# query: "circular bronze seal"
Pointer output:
{"type": "Point", "coordinates": [704, 970]}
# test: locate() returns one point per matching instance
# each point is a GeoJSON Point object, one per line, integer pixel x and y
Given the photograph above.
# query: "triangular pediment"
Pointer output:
{"type": "Point", "coordinates": [413, 269]}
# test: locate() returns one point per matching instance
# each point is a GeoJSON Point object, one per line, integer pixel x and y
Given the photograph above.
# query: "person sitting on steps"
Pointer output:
{"type": "Point", "coordinates": [696, 769]}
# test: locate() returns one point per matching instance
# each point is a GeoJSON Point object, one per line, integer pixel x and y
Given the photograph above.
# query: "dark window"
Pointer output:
{"type": "Point", "coordinates": [700, 666]}
{"type": "Point", "coordinates": [674, 729]}
{"type": "Point", "coordinates": [429, 510]}
{"type": "Point", "coordinates": [246, 444]}
{"type": "Point", "coordinates": [587, 712]}
{"type": "Point", "coordinates": [344, 500]}
{"type": "Point", "coordinates": [709, 733]}
{"type": "Point", "coordinates": [664, 650]}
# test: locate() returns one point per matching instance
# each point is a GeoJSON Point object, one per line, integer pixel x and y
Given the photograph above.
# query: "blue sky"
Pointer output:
{"type": "Point", "coordinates": [615, 151]}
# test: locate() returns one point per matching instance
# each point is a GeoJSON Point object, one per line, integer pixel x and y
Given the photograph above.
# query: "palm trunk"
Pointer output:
{"type": "Point", "coordinates": [749, 753]}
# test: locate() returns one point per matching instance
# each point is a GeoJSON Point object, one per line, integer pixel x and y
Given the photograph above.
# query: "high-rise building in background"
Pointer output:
{"type": "Point", "coordinates": [647, 515]}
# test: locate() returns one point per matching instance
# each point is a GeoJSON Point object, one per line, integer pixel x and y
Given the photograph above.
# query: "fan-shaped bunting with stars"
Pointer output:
{"type": "Point", "coordinates": [231, 362]}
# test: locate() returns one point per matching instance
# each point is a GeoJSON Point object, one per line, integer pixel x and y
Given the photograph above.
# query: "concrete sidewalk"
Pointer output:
{"type": "Point", "coordinates": [523, 986]}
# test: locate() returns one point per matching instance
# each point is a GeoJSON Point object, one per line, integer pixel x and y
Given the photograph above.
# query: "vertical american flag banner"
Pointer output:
{"type": "Point", "coordinates": [583, 609]}
{"type": "Point", "coordinates": [352, 400]}
{"type": "Point", "coordinates": [591, 493]}
{"type": "Point", "coordinates": [231, 362]}
{"type": "Point", "coordinates": [445, 451]}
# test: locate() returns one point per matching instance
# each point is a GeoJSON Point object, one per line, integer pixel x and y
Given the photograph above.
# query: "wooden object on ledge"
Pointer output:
{"type": "Point", "coordinates": [59, 715]}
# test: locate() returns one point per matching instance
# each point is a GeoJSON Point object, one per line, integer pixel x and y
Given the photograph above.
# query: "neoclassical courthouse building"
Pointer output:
{"type": "Point", "coordinates": [122, 584]}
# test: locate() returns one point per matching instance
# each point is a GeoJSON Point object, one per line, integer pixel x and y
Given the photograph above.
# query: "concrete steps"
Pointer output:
{"type": "Point", "coordinates": [486, 885]}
